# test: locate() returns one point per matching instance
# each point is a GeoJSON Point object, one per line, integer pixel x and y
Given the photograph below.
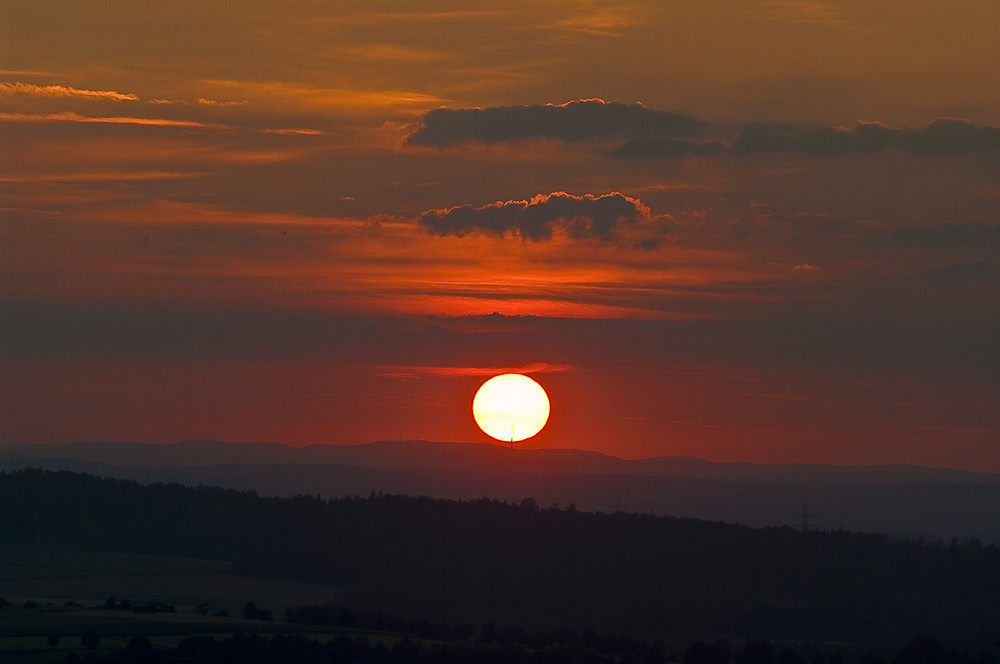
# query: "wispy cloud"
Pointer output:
{"type": "Point", "coordinates": [329, 98]}
{"type": "Point", "coordinates": [98, 176]}
{"type": "Point", "coordinates": [214, 102]}
{"type": "Point", "coordinates": [115, 119]}
{"type": "Point", "coordinates": [388, 52]}
{"type": "Point", "coordinates": [26, 72]}
{"type": "Point", "coordinates": [801, 12]}
{"type": "Point", "coordinates": [156, 122]}
{"type": "Point", "coordinates": [63, 91]}
{"type": "Point", "coordinates": [408, 372]}
{"type": "Point", "coordinates": [600, 22]}
{"type": "Point", "coordinates": [294, 132]}
{"type": "Point", "coordinates": [417, 14]}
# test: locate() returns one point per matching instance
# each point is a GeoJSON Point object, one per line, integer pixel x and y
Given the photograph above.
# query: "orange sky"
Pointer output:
{"type": "Point", "coordinates": [754, 231]}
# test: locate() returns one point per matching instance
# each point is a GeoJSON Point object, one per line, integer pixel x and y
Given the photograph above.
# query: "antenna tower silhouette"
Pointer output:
{"type": "Point", "coordinates": [618, 507]}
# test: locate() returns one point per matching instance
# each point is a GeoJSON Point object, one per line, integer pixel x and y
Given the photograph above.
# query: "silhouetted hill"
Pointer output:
{"type": "Point", "coordinates": [902, 501]}
{"type": "Point", "coordinates": [482, 457]}
{"type": "Point", "coordinates": [540, 568]}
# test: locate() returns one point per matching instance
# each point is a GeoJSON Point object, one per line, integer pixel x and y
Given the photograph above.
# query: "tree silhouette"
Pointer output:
{"type": "Point", "coordinates": [705, 653]}
{"type": "Point", "coordinates": [921, 650]}
{"type": "Point", "coordinates": [140, 651]}
{"type": "Point", "coordinates": [755, 651]}
{"type": "Point", "coordinates": [90, 640]}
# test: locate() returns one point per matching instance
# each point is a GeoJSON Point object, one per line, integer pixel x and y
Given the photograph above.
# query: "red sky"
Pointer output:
{"type": "Point", "coordinates": [754, 231]}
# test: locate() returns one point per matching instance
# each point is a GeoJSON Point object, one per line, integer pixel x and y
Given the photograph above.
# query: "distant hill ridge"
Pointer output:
{"type": "Point", "coordinates": [900, 501]}
{"type": "Point", "coordinates": [420, 455]}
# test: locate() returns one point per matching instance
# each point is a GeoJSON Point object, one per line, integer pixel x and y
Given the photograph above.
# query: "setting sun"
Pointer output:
{"type": "Point", "coordinates": [511, 407]}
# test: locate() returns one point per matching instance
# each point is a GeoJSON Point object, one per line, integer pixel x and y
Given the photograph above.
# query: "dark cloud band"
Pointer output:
{"type": "Point", "coordinates": [586, 216]}
{"type": "Point", "coordinates": [652, 134]}
{"type": "Point", "coordinates": [945, 236]}
{"type": "Point", "coordinates": [942, 137]}
{"type": "Point", "coordinates": [573, 121]}
{"type": "Point", "coordinates": [961, 271]}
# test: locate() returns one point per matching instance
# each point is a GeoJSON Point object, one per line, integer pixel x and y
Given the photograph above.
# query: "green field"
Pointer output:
{"type": "Point", "coordinates": [24, 632]}
{"type": "Point", "coordinates": [90, 577]}
{"type": "Point", "coordinates": [47, 560]}
{"type": "Point", "coordinates": [51, 578]}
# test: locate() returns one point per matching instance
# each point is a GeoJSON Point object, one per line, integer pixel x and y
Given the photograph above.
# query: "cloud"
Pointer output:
{"type": "Point", "coordinates": [408, 372]}
{"type": "Point", "coordinates": [295, 132]}
{"type": "Point", "coordinates": [667, 148]}
{"type": "Point", "coordinates": [812, 222]}
{"type": "Point", "coordinates": [586, 119]}
{"type": "Point", "coordinates": [214, 102]}
{"type": "Point", "coordinates": [943, 136]}
{"type": "Point", "coordinates": [63, 91]}
{"type": "Point", "coordinates": [586, 216]}
{"type": "Point", "coordinates": [960, 271]}
{"type": "Point", "coordinates": [985, 193]}
{"type": "Point", "coordinates": [327, 99]}
{"type": "Point", "coordinates": [801, 12]}
{"type": "Point", "coordinates": [944, 236]}
{"type": "Point", "coordinates": [123, 120]}
{"type": "Point", "coordinates": [951, 135]}
{"type": "Point", "coordinates": [652, 134]}
{"type": "Point", "coordinates": [611, 22]}
{"type": "Point", "coordinates": [760, 138]}
{"type": "Point", "coordinates": [156, 122]}
{"type": "Point", "coordinates": [100, 176]}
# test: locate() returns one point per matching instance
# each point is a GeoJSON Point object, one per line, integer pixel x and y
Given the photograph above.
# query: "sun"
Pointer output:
{"type": "Point", "coordinates": [511, 407]}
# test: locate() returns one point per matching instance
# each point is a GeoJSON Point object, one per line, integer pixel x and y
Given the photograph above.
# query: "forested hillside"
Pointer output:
{"type": "Point", "coordinates": [537, 567]}
{"type": "Point", "coordinates": [903, 502]}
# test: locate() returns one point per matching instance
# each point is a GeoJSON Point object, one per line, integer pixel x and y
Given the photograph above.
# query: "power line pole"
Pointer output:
{"type": "Point", "coordinates": [805, 516]}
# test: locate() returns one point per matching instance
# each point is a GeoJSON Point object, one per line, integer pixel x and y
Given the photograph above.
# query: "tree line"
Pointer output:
{"type": "Point", "coordinates": [489, 648]}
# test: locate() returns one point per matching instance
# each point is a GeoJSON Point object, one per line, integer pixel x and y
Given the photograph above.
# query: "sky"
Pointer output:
{"type": "Point", "coordinates": [756, 231]}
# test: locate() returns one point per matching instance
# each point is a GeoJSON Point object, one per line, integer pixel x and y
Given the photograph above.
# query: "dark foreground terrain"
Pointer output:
{"type": "Point", "coordinates": [511, 571]}
{"type": "Point", "coordinates": [112, 635]}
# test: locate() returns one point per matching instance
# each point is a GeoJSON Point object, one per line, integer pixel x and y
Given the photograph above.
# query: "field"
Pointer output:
{"type": "Point", "coordinates": [90, 577]}
{"type": "Point", "coordinates": [24, 631]}
{"type": "Point", "coordinates": [63, 592]}
{"type": "Point", "coordinates": [45, 560]}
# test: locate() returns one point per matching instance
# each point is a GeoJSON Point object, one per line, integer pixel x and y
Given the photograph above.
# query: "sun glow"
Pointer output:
{"type": "Point", "coordinates": [511, 407]}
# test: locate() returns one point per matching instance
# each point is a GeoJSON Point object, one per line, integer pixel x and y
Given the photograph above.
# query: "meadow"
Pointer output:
{"type": "Point", "coordinates": [25, 632]}
{"type": "Point", "coordinates": [53, 591]}
{"type": "Point", "coordinates": [86, 577]}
